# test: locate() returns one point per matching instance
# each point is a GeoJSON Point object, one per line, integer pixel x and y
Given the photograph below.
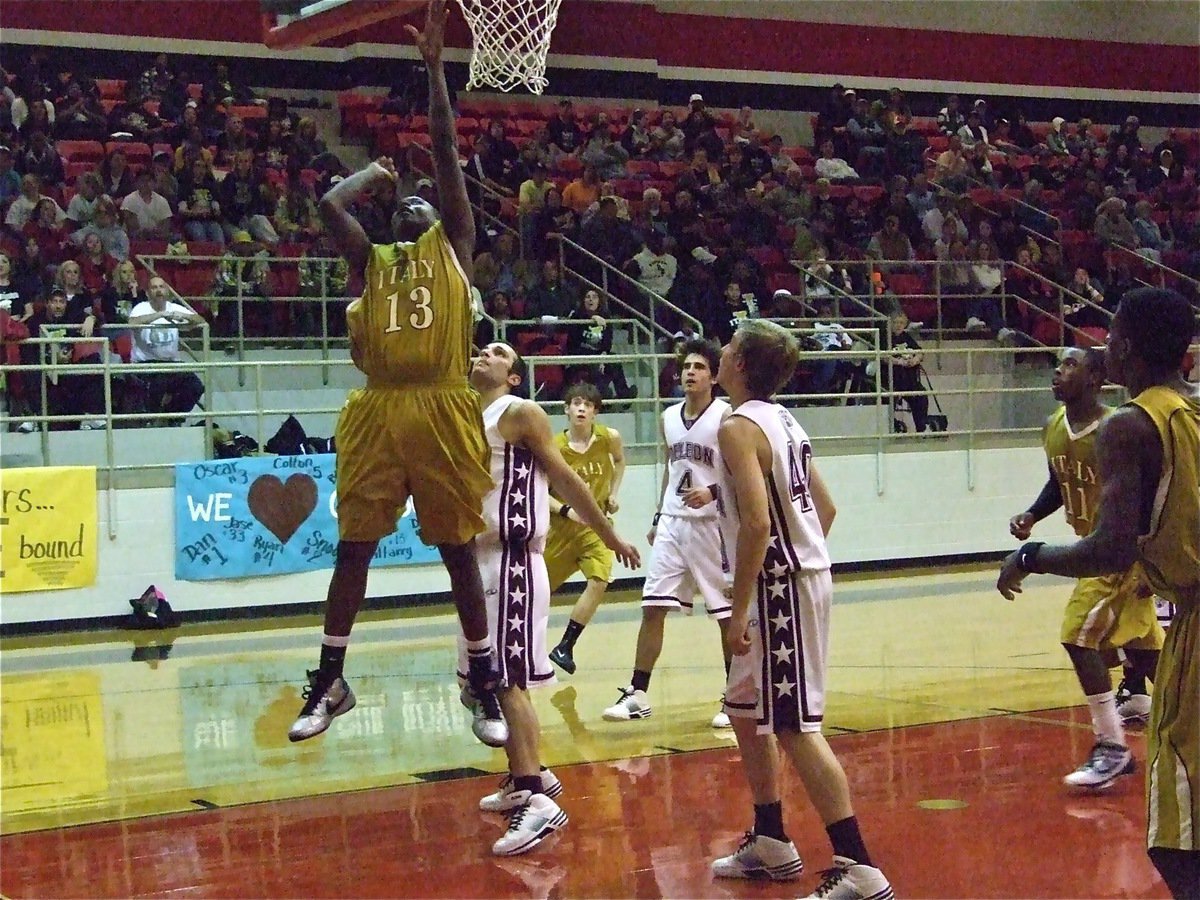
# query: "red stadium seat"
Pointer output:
{"type": "Point", "coordinates": [80, 151]}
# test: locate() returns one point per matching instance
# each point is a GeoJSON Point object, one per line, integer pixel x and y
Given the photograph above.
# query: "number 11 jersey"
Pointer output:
{"type": "Point", "coordinates": [413, 323]}
{"type": "Point", "coordinates": [693, 457]}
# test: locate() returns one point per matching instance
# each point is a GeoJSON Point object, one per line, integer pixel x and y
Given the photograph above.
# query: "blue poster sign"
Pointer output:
{"type": "Point", "coordinates": [244, 518]}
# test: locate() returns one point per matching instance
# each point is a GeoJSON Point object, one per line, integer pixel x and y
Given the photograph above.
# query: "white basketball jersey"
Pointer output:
{"type": "Point", "coordinates": [797, 542]}
{"type": "Point", "coordinates": [693, 458]}
{"type": "Point", "coordinates": [517, 510]}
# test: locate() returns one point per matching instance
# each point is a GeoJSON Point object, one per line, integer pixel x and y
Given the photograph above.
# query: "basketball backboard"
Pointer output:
{"type": "Point", "coordinates": [308, 22]}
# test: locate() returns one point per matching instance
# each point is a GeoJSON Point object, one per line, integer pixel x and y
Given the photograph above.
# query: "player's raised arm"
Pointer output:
{"type": "Point", "coordinates": [532, 427]}
{"type": "Point", "coordinates": [452, 187]}
{"type": "Point", "coordinates": [352, 242]}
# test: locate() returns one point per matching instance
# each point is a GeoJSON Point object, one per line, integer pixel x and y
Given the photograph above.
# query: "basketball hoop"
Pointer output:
{"type": "Point", "coordinates": [511, 39]}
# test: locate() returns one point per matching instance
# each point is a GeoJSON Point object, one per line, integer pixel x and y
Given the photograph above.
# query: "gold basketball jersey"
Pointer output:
{"type": "Point", "coordinates": [1170, 551]}
{"type": "Point", "coordinates": [413, 323]}
{"type": "Point", "coordinates": [1072, 458]}
{"type": "Point", "coordinates": [594, 465]}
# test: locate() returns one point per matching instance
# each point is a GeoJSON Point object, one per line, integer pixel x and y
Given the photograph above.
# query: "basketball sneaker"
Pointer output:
{"type": "Point", "coordinates": [487, 719]}
{"type": "Point", "coordinates": [509, 797]}
{"type": "Point", "coordinates": [324, 700]}
{"type": "Point", "coordinates": [760, 857]}
{"type": "Point", "coordinates": [848, 880]}
{"type": "Point", "coordinates": [721, 719]}
{"type": "Point", "coordinates": [1107, 763]}
{"type": "Point", "coordinates": [561, 657]}
{"type": "Point", "coordinates": [1134, 709]}
{"type": "Point", "coordinates": [535, 819]}
{"type": "Point", "coordinates": [630, 705]}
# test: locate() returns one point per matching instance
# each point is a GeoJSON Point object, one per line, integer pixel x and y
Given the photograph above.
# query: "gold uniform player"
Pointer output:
{"type": "Point", "coordinates": [415, 431]}
{"type": "Point", "coordinates": [597, 455]}
{"type": "Point", "coordinates": [1149, 454]}
{"type": "Point", "coordinates": [1104, 612]}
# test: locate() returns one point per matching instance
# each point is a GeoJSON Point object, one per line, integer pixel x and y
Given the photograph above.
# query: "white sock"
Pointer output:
{"type": "Point", "coordinates": [1105, 721]}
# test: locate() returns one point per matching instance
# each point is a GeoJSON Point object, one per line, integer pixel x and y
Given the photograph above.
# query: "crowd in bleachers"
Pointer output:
{"type": "Point", "coordinates": [704, 208]}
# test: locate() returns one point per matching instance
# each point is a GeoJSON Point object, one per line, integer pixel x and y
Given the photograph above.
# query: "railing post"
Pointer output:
{"type": "Point", "coordinates": [324, 264]}
{"type": "Point", "coordinates": [241, 335]}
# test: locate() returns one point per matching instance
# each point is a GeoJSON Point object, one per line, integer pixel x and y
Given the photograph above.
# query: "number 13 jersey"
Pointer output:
{"type": "Point", "coordinates": [797, 541]}
{"type": "Point", "coordinates": [693, 457]}
{"type": "Point", "coordinates": [414, 321]}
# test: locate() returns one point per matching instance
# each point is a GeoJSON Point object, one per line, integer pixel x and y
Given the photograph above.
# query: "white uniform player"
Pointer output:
{"type": "Point", "coordinates": [686, 557]}
{"type": "Point", "coordinates": [781, 681]}
{"type": "Point", "coordinates": [515, 585]}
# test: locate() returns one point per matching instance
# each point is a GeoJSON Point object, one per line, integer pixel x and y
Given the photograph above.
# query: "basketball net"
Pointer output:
{"type": "Point", "coordinates": [511, 39]}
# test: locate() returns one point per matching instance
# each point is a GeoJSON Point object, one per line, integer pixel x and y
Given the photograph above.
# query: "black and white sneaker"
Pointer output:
{"type": "Point", "coordinates": [1107, 763]}
{"type": "Point", "coordinates": [508, 797]}
{"type": "Point", "coordinates": [1133, 708]}
{"type": "Point", "coordinates": [487, 722]}
{"type": "Point", "coordinates": [324, 700]}
{"type": "Point", "coordinates": [532, 822]}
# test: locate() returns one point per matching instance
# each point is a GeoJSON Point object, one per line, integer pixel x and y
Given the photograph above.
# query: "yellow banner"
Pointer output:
{"type": "Point", "coordinates": [47, 528]}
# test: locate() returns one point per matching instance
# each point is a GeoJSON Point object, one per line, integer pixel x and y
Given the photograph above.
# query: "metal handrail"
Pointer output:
{"type": "Point", "coordinates": [1062, 292]}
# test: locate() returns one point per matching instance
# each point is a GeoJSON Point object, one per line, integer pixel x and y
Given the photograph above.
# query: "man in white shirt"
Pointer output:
{"type": "Point", "coordinates": [154, 341]}
{"type": "Point", "coordinates": [833, 168]}
{"type": "Point", "coordinates": [147, 214]}
{"type": "Point", "coordinates": [22, 208]}
{"type": "Point", "coordinates": [656, 267]}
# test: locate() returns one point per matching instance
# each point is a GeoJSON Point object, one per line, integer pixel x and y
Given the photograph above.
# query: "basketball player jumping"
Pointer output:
{"type": "Point", "coordinates": [1149, 457]}
{"type": "Point", "coordinates": [524, 462]}
{"type": "Point", "coordinates": [1103, 613]}
{"type": "Point", "coordinates": [415, 430]}
{"type": "Point", "coordinates": [775, 514]}
{"type": "Point", "coordinates": [686, 555]}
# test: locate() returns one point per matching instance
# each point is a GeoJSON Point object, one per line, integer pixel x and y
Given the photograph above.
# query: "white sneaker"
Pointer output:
{"type": "Point", "coordinates": [630, 705]}
{"type": "Point", "coordinates": [93, 425]}
{"type": "Point", "coordinates": [1134, 709]}
{"type": "Point", "coordinates": [1107, 763]}
{"type": "Point", "coordinates": [487, 719]}
{"type": "Point", "coordinates": [721, 719]}
{"type": "Point", "coordinates": [1005, 336]}
{"type": "Point", "coordinates": [508, 797]}
{"type": "Point", "coordinates": [27, 428]}
{"type": "Point", "coordinates": [848, 880]}
{"type": "Point", "coordinates": [760, 857]}
{"type": "Point", "coordinates": [532, 822]}
{"type": "Point", "coordinates": [974, 323]}
{"type": "Point", "coordinates": [323, 702]}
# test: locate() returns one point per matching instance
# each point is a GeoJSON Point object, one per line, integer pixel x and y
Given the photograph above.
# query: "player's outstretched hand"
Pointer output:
{"type": "Point", "coordinates": [1011, 576]}
{"type": "Point", "coordinates": [627, 554]}
{"type": "Point", "coordinates": [1021, 525]}
{"type": "Point", "coordinates": [429, 41]}
{"type": "Point", "coordinates": [387, 166]}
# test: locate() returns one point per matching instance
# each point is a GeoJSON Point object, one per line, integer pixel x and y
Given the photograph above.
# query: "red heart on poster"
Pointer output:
{"type": "Point", "coordinates": [282, 506]}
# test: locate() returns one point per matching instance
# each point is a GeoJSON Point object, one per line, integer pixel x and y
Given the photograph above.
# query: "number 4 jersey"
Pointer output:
{"type": "Point", "coordinates": [693, 458]}
{"type": "Point", "coordinates": [413, 323]}
{"type": "Point", "coordinates": [797, 541]}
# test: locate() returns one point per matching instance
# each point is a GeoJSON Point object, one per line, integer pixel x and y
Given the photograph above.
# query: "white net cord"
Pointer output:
{"type": "Point", "coordinates": [511, 38]}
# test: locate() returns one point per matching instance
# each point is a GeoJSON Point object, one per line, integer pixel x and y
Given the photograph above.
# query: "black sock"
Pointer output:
{"type": "Point", "coordinates": [571, 635]}
{"type": "Point", "coordinates": [768, 820]}
{"type": "Point", "coordinates": [531, 783]}
{"type": "Point", "coordinates": [332, 659]}
{"type": "Point", "coordinates": [1134, 682]}
{"type": "Point", "coordinates": [641, 680]}
{"type": "Point", "coordinates": [847, 841]}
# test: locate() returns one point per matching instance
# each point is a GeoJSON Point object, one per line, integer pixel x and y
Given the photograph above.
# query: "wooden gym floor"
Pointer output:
{"type": "Point", "coordinates": [137, 767]}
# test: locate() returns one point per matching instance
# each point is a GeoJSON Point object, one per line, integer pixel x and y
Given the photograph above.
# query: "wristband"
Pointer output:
{"type": "Point", "coordinates": [564, 511]}
{"type": "Point", "coordinates": [657, 516]}
{"type": "Point", "coordinates": [1027, 556]}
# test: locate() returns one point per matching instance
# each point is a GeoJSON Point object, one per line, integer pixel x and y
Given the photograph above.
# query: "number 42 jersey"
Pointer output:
{"type": "Point", "coordinates": [693, 457]}
{"type": "Point", "coordinates": [797, 540]}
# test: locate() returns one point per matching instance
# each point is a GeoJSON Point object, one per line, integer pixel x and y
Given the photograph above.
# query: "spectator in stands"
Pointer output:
{"type": "Point", "coordinates": [146, 213]}
{"type": "Point", "coordinates": [563, 129]}
{"type": "Point", "coordinates": [502, 162]}
{"type": "Point", "coordinates": [49, 232]}
{"type": "Point", "coordinates": [736, 172]}
{"type": "Point", "coordinates": [1022, 134]}
{"type": "Point", "coordinates": [1112, 226]}
{"type": "Point", "coordinates": [324, 273]}
{"type": "Point", "coordinates": [307, 146]}
{"type": "Point", "coordinates": [176, 391]}
{"type": "Point", "coordinates": [891, 245]}
{"type": "Point", "coordinates": [81, 117]}
{"type": "Point", "coordinates": [67, 394]}
{"type": "Point", "coordinates": [654, 266]}
{"type": "Point", "coordinates": [175, 97]}
{"type": "Point", "coordinates": [743, 125]}
{"type": "Point", "coordinates": [80, 301]}
{"type": "Point", "coordinates": [220, 90]}
{"type": "Point", "coordinates": [1032, 212]}
{"type": "Point", "coordinates": [697, 121]}
{"type": "Point", "coordinates": [705, 175]}
{"type": "Point", "coordinates": [950, 118]}
{"type": "Point", "coordinates": [739, 306]}
{"type": "Point", "coordinates": [1167, 169]}
{"type": "Point", "coordinates": [685, 225]}
{"type": "Point", "coordinates": [1056, 138]}
{"type": "Point", "coordinates": [10, 178]}
{"type": "Point", "coordinates": [781, 163]}
{"type": "Point", "coordinates": [501, 268]}
{"type": "Point", "coordinates": [16, 296]}
{"type": "Point", "coordinates": [583, 191]}
{"type": "Point", "coordinates": [668, 142]}
{"type": "Point", "coordinates": [95, 266]}
{"type": "Point", "coordinates": [980, 166]}
{"type": "Point", "coordinates": [831, 167]}
{"type": "Point", "coordinates": [831, 336]}
{"type": "Point", "coordinates": [593, 336]}
{"type": "Point", "coordinates": [296, 218]}
{"type": "Point", "coordinates": [1089, 309]}
{"type": "Point", "coordinates": [1151, 242]}
{"type": "Point", "coordinates": [199, 207]}
{"type": "Point", "coordinates": [1126, 136]}
{"type": "Point", "coordinates": [190, 149]}
{"type": "Point", "coordinates": [932, 221]}
{"type": "Point", "coordinates": [983, 310]}
{"type": "Point", "coordinates": [607, 237]}
{"type": "Point", "coordinates": [1052, 266]}
{"type": "Point", "coordinates": [853, 227]}
{"type": "Point", "coordinates": [496, 304]}
{"type": "Point", "coordinates": [901, 371]}
{"type": "Point", "coordinates": [652, 216]}
{"type": "Point", "coordinates": [243, 206]}
{"type": "Point", "coordinates": [122, 293]}
{"type": "Point", "coordinates": [635, 139]}
{"type": "Point", "coordinates": [273, 149]}
{"type": "Point", "coordinates": [607, 190]}
{"type": "Point", "coordinates": [116, 178]}
{"type": "Point", "coordinates": [232, 141]}
{"type": "Point", "coordinates": [749, 221]}
{"type": "Point", "coordinates": [162, 180]}
{"type": "Point", "coordinates": [531, 198]}
{"type": "Point", "coordinates": [133, 118]}
{"type": "Point", "coordinates": [1120, 280]}
{"type": "Point", "coordinates": [243, 271]}
{"type": "Point", "coordinates": [155, 81]}
{"type": "Point", "coordinates": [951, 167]}
{"type": "Point", "coordinates": [553, 218]}
{"type": "Point", "coordinates": [551, 296]}
{"type": "Point", "coordinates": [603, 153]}
{"type": "Point", "coordinates": [921, 199]}
{"type": "Point", "coordinates": [107, 225]}
{"type": "Point", "coordinates": [834, 112]}
{"type": "Point", "coordinates": [40, 158]}
{"type": "Point", "coordinates": [867, 141]}
{"type": "Point", "coordinates": [790, 201]}
{"type": "Point", "coordinates": [33, 107]}
{"type": "Point", "coordinates": [1082, 139]}
{"type": "Point", "coordinates": [1121, 169]}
